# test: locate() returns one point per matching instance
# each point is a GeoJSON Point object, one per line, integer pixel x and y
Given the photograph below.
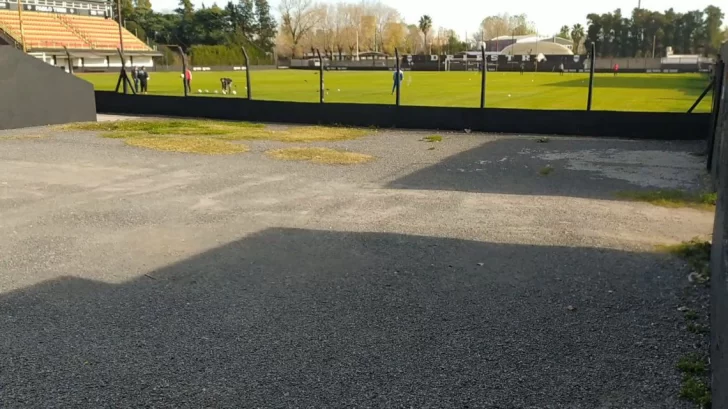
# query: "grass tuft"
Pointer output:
{"type": "Point", "coordinates": [432, 138]}
{"type": "Point", "coordinates": [201, 145]}
{"type": "Point", "coordinates": [320, 155]}
{"type": "Point", "coordinates": [545, 171]}
{"type": "Point", "coordinates": [672, 198]}
{"type": "Point", "coordinates": [697, 254]}
{"type": "Point", "coordinates": [692, 364]}
{"type": "Point", "coordinates": [695, 390]}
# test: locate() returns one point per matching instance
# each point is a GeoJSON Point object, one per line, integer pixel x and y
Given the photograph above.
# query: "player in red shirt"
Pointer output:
{"type": "Point", "coordinates": [616, 69]}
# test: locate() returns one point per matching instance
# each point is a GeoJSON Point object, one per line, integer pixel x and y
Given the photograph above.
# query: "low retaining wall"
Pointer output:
{"type": "Point", "coordinates": [719, 255]}
{"type": "Point", "coordinates": [639, 125]}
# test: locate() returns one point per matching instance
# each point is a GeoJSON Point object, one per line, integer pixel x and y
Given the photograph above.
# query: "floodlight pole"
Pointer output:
{"type": "Point", "coordinates": [68, 57]}
{"type": "Point", "coordinates": [121, 35]}
{"type": "Point", "coordinates": [20, 19]}
{"type": "Point", "coordinates": [591, 76]}
{"type": "Point", "coordinates": [321, 77]}
{"type": "Point", "coordinates": [483, 71]}
{"type": "Point", "coordinates": [247, 73]}
{"type": "Point", "coordinates": [397, 81]}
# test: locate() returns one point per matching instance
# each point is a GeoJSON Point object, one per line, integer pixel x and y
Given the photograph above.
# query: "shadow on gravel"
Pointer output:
{"type": "Point", "coordinates": [301, 318]}
{"type": "Point", "coordinates": [579, 167]}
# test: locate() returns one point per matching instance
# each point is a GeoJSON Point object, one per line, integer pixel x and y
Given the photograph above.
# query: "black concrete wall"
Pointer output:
{"type": "Point", "coordinates": [639, 125]}
{"type": "Point", "coordinates": [719, 255]}
{"type": "Point", "coordinates": [33, 93]}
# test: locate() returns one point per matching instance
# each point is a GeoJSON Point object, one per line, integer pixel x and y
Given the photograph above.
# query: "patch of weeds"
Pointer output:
{"type": "Point", "coordinates": [692, 364]}
{"type": "Point", "coordinates": [696, 328]}
{"type": "Point", "coordinates": [201, 145]}
{"type": "Point", "coordinates": [691, 315]}
{"type": "Point", "coordinates": [672, 198]}
{"type": "Point", "coordinates": [224, 130]}
{"type": "Point", "coordinates": [697, 254]}
{"type": "Point", "coordinates": [542, 139]}
{"type": "Point", "coordinates": [320, 155]}
{"type": "Point", "coordinates": [432, 138]}
{"type": "Point", "coordinates": [21, 136]}
{"type": "Point", "coordinates": [545, 171]}
{"type": "Point", "coordinates": [695, 390]}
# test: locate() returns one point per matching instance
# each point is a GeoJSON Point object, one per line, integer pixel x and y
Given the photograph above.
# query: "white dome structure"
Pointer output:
{"type": "Point", "coordinates": [536, 48]}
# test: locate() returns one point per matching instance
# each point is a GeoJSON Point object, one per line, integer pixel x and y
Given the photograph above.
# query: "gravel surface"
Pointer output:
{"type": "Point", "coordinates": [427, 278]}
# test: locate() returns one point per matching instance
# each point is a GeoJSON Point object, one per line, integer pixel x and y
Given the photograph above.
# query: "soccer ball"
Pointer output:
{"type": "Point", "coordinates": [199, 91]}
{"type": "Point", "coordinates": [338, 90]}
{"type": "Point", "coordinates": [207, 92]}
{"type": "Point", "coordinates": [224, 93]}
{"type": "Point", "coordinates": [216, 91]}
{"type": "Point", "coordinates": [235, 92]}
{"type": "Point", "coordinates": [181, 75]}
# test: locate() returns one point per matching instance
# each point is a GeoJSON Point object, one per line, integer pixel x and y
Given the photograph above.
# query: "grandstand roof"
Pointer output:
{"type": "Point", "coordinates": [535, 48]}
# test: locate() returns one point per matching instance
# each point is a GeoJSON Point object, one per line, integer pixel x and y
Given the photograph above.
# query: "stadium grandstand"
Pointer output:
{"type": "Point", "coordinates": [53, 30]}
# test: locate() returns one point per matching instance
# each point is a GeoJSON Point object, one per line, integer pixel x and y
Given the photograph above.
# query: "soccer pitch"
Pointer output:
{"type": "Point", "coordinates": [626, 92]}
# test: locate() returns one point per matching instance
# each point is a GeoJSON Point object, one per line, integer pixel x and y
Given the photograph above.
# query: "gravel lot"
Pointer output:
{"type": "Point", "coordinates": [452, 277]}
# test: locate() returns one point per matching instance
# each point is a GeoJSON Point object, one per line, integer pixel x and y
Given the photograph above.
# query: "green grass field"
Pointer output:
{"type": "Point", "coordinates": [627, 92]}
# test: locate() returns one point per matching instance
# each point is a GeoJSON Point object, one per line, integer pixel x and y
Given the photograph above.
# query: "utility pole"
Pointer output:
{"type": "Point", "coordinates": [22, 33]}
{"type": "Point", "coordinates": [639, 4]}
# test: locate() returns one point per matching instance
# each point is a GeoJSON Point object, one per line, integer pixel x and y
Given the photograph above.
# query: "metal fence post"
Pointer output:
{"type": "Point", "coordinates": [591, 76]}
{"type": "Point", "coordinates": [247, 73]}
{"type": "Point", "coordinates": [397, 81]}
{"type": "Point", "coordinates": [321, 77]}
{"type": "Point", "coordinates": [483, 71]}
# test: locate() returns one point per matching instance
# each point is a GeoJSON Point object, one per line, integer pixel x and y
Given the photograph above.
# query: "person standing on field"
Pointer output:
{"type": "Point", "coordinates": [523, 67]}
{"type": "Point", "coordinates": [188, 80]}
{"type": "Point", "coordinates": [143, 76]}
{"type": "Point", "coordinates": [397, 77]}
{"type": "Point", "coordinates": [135, 78]}
{"type": "Point", "coordinates": [616, 69]}
{"type": "Point", "coordinates": [561, 69]}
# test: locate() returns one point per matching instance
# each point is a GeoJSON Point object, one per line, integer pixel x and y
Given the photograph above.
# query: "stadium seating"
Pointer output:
{"type": "Point", "coordinates": [103, 33]}
{"type": "Point", "coordinates": [50, 30]}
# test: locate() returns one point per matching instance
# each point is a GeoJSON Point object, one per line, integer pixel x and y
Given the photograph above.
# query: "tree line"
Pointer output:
{"type": "Point", "coordinates": [347, 28]}
{"type": "Point", "coordinates": [646, 33]}
{"type": "Point", "coordinates": [245, 23]}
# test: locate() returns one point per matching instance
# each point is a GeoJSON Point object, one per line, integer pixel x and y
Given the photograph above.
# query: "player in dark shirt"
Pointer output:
{"type": "Point", "coordinates": [226, 84]}
{"type": "Point", "coordinates": [143, 76]}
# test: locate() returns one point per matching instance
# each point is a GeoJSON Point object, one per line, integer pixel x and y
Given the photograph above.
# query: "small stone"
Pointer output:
{"type": "Point", "coordinates": [467, 130]}
{"type": "Point", "coordinates": [481, 264]}
{"type": "Point", "coordinates": [682, 309]}
{"type": "Point", "coordinates": [571, 308]}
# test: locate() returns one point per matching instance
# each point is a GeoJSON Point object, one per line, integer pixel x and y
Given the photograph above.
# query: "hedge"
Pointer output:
{"type": "Point", "coordinates": [211, 55]}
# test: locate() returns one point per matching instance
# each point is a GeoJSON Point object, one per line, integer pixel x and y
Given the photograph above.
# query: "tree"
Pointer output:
{"type": "Point", "coordinates": [265, 24]}
{"type": "Point", "coordinates": [425, 24]}
{"type": "Point", "coordinates": [505, 24]}
{"type": "Point", "coordinates": [298, 18]}
{"type": "Point", "coordinates": [577, 34]}
{"type": "Point", "coordinates": [713, 35]}
{"type": "Point", "coordinates": [565, 32]}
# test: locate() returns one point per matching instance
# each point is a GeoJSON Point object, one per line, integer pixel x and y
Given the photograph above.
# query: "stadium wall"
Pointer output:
{"type": "Point", "coordinates": [719, 253]}
{"type": "Point", "coordinates": [35, 93]}
{"type": "Point", "coordinates": [637, 125]}
{"type": "Point", "coordinates": [571, 63]}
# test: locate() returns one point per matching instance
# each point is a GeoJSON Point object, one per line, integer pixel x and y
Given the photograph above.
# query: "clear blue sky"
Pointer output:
{"type": "Point", "coordinates": [465, 15]}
